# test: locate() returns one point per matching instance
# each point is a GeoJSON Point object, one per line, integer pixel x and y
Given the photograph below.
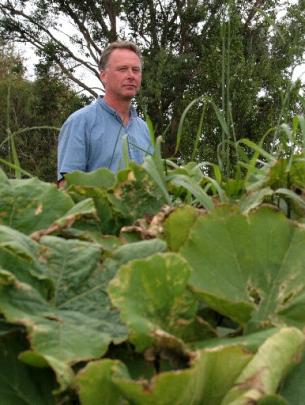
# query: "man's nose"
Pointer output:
{"type": "Point", "coordinates": [130, 73]}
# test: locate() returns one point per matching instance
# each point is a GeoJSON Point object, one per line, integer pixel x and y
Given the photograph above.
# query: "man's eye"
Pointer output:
{"type": "Point", "coordinates": [123, 69]}
{"type": "Point", "coordinates": [136, 70]}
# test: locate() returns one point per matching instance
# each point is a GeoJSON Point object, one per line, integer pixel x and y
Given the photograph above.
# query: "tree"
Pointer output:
{"type": "Point", "coordinates": [239, 54]}
{"type": "Point", "coordinates": [25, 107]}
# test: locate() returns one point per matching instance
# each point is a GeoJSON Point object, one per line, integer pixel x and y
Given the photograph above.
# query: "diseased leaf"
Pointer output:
{"type": "Point", "coordinates": [84, 208]}
{"type": "Point", "coordinates": [119, 201]}
{"type": "Point", "coordinates": [209, 377]}
{"type": "Point", "coordinates": [30, 205]}
{"type": "Point", "coordinates": [107, 221]}
{"type": "Point", "coordinates": [250, 268]}
{"type": "Point", "coordinates": [19, 255]}
{"type": "Point", "coordinates": [263, 374]}
{"type": "Point", "coordinates": [159, 283]}
{"type": "Point", "coordinates": [95, 383]}
{"type": "Point", "coordinates": [136, 194]}
{"type": "Point", "coordinates": [77, 323]}
{"type": "Point", "coordinates": [206, 381]}
{"type": "Point", "coordinates": [131, 251]}
{"type": "Point", "coordinates": [183, 219]}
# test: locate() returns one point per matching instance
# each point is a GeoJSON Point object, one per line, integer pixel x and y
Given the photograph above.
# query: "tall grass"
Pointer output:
{"type": "Point", "coordinates": [233, 155]}
{"type": "Point", "coordinates": [243, 167]}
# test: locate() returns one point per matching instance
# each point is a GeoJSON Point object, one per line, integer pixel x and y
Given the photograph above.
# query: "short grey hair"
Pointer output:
{"type": "Point", "coordinates": [118, 45]}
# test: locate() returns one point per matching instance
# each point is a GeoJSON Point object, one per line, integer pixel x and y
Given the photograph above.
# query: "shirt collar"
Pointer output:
{"type": "Point", "coordinates": [111, 110]}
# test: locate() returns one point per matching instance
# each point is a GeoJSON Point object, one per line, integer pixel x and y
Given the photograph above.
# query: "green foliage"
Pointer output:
{"type": "Point", "coordinates": [25, 108]}
{"type": "Point", "coordinates": [268, 366]}
{"type": "Point", "coordinates": [257, 284]}
{"type": "Point", "coordinates": [238, 54]}
{"type": "Point", "coordinates": [156, 285]}
{"type": "Point", "coordinates": [19, 382]}
{"type": "Point", "coordinates": [25, 200]}
{"type": "Point", "coordinates": [159, 283]}
{"type": "Point", "coordinates": [75, 323]}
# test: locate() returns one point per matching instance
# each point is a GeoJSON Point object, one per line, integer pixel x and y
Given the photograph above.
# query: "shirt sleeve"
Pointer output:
{"type": "Point", "coordinates": [72, 145]}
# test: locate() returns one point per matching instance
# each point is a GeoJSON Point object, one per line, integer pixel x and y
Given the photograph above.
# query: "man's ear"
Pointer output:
{"type": "Point", "coordinates": [102, 76]}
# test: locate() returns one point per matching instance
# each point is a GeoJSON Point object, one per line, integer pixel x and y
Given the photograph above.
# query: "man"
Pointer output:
{"type": "Point", "coordinates": [93, 136]}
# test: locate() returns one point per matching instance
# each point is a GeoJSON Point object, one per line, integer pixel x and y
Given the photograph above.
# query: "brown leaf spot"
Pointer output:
{"type": "Point", "coordinates": [147, 386]}
{"type": "Point", "coordinates": [254, 294]}
{"type": "Point", "coordinates": [183, 322]}
{"type": "Point", "coordinates": [150, 354]}
{"type": "Point", "coordinates": [39, 209]}
{"type": "Point", "coordinates": [149, 228]}
{"type": "Point", "coordinates": [53, 318]}
{"type": "Point", "coordinates": [131, 176]}
{"type": "Point", "coordinates": [253, 382]}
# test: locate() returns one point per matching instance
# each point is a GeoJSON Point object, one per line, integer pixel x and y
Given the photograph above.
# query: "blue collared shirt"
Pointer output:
{"type": "Point", "coordinates": [92, 137]}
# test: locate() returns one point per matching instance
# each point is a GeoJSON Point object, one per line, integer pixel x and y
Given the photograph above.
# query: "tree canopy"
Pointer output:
{"type": "Point", "coordinates": [31, 112]}
{"type": "Point", "coordinates": [237, 54]}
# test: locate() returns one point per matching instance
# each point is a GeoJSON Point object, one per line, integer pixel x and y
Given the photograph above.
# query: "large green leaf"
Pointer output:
{"type": "Point", "coordinates": [95, 383]}
{"type": "Point", "coordinates": [131, 251]}
{"type": "Point", "coordinates": [30, 205]}
{"type": "Point", "coordinates": [263, 374]}
{"type": "Point", "coordinates": [121, 199]}
{"type": "Point", "coordinates": [100, 178]}
{"type": "Point", "coordinates": [19, 383]}
{"type": "Point", "coordinates": [82, 186]}
{"type": "Point", "coordinates": [136, 195]}
{"type": "Point", "coordinates": [19, 255]}
{"type": "Point", "coordinates": [78, 322]}
{"type": "Point", "coordinates": [159, 284]}
{"type": "Point", "coordinates": [84, 208]}
{"type": "Point", "coordinates": [250, 268]}
{"type": "Point", "coordinates": [209, 377]}
{"type": "Point", "coordinates": [183, 219]}
{"type": "Point", "coordinates": [222, 375]}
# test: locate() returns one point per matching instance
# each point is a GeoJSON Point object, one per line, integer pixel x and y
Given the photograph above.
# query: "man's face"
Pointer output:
{"type": "Point", "coordinates": [122, 75]}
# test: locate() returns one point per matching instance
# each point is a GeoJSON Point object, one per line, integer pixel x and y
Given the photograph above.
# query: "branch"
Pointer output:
{"type": "Point", "coordinates": [86, 34]}
{"type": "Point", "coordinates": [97, 11]}
{"type": "Point", "coordinates": [41, 27]}
{"type": "Point", "coordinates": [167, 28]}
{"type": "Point", "coordinates": [212, 17]}
{"type": "Point", "coordinates": [32, 39]}
{"type": "Point", "coordinates": [110, 9]}
{"type": "Point", "coordinates": [254, 10]}
{"type": "Point", "coordinates": [153, 31]}
{"type": "Point", "coordinates": [66, 71]}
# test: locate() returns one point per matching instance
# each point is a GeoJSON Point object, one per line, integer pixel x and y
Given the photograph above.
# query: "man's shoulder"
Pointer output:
{"type": "Point", "coordinates": [84, 113]}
